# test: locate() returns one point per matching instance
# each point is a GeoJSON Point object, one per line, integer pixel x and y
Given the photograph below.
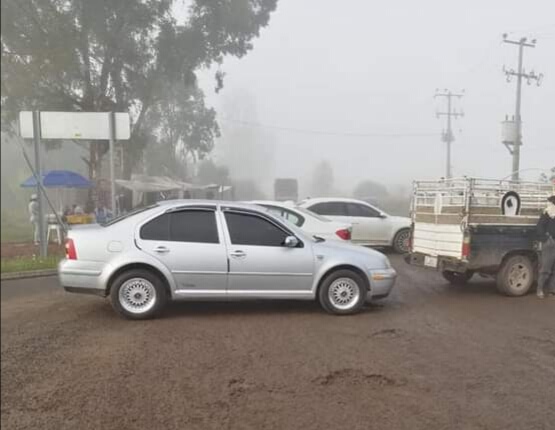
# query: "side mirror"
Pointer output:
{"type": "Point", "coordinates": [382, 215]}
{"type": "Point", "coordinates": [291, 242]}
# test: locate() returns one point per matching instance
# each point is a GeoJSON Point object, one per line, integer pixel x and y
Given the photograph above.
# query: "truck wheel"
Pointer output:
{"type": "Point", "coordinates": [516, 276]}
{"type": "Point", "coordinates": [457, 278]}
{"type": "Point", "coordinates": [401, 241]}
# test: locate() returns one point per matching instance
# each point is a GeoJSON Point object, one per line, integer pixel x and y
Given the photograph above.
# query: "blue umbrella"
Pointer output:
{"type": "Point", "coordinates": [59, 179]}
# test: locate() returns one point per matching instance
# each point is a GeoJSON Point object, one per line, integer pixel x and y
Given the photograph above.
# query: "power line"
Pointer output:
{"type": "Point", "coordinates": [323, 132]}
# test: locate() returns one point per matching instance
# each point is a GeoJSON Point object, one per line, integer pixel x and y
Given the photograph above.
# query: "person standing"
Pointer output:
{"type": "Point", "coordinates": [546, 235]}
{"type": "Point", "coordinates": [34, 217]}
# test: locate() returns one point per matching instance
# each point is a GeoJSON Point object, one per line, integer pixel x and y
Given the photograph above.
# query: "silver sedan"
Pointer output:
{"type": "Point", "coordinates": [199, 250]}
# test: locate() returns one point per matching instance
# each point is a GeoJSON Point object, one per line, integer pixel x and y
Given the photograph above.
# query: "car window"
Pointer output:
{"type": "Point", "coordinates": [286, 214]}
{"type": "Point", "coordinates": [312, 214]}
{"type": "Point", "coordinates": [247, 229]}
{"type": "Point", "coordinates": [358, 210]}
{"type": "Point", "coordinates": [330, 208]}
{"type": "Point", "coordinates": [196, 226]}
{"type": "Point", "coordinates": [157, 228]}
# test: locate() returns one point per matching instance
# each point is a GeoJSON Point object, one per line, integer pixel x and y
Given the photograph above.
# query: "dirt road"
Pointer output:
{"type": "Point", "coordinates": [432, 356]}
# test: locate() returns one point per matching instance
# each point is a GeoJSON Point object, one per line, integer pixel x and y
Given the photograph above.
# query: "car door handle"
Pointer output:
{"type": "Point", "coordinates": [355, 223]}
{"type": "Point", "coordinates": [238, 254]}
{"type": "Point", "coordinates": [161, 249]}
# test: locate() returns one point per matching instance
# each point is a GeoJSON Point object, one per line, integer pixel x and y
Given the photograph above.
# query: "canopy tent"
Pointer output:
{"type": "Point", "coordinates": [59, 179]}
{"type": "Point", "coordinates": [141, 184]}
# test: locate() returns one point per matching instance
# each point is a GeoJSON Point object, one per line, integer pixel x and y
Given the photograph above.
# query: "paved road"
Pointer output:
{"type": "Point", "coordinates": [430, 357]}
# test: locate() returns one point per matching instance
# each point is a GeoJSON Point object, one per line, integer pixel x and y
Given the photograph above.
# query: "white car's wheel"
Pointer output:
{"type": "Point", "coordinates": [138, 294]}
{"type": "Point", "coordinates": [342, 292]}
{"type": "Point", "coordinates": [401, 241]}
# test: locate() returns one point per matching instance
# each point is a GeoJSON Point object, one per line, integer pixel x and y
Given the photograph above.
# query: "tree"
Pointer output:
{"type": "Point", "coordinates": [371, 189]}
{"type": "Point", "coordinates": [322, 180]}
{"type": "Point", "coordinates": [128, 55]}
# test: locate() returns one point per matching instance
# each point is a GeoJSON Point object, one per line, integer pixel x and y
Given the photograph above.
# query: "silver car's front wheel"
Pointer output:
{"type": "Point", "coordinates": [138, 294]}
{"type": "Point", "coordinates": [343, 292]}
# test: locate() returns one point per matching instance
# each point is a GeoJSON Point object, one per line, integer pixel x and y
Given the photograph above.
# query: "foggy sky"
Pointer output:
{"type": "Point", "coordinates": [372, 67]}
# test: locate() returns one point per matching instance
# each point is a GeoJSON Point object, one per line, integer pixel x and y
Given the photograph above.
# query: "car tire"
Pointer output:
{"type": "Point", "coordinates": [401, 241]}
{"type": "Point", "coordinates": [457, 278]}
{"type": "Point", "coordinates": [342, 292]}
{"type": "Point", "coordinates": [138, 294]}
{"type": "Point", "coordinates": [516, 276]}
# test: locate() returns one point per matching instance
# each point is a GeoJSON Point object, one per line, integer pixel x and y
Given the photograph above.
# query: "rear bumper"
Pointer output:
{"type": "Point", "coordinates": [81, 277]}
{"type": "Point", "coordinates": [443, 263]}
{"type": "Point", "coordinates": [381, 283]}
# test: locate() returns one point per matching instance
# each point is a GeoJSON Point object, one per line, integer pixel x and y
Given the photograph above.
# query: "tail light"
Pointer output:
{"type": "Point", "coordinates": [466, 246]}
{"type": "Point", "coordinates": [71, 253]}
{"type": "Point", "coordinates": [344, 233]}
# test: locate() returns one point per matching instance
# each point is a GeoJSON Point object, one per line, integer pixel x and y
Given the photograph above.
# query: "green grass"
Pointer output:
{"type": "Point", "coordinates": [24, 264]}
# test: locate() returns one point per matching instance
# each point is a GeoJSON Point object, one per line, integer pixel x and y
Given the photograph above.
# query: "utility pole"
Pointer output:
{"type": "Point", "coordinates": [447, 136]}
{"type": "Point", "coordinates": [520, 73]}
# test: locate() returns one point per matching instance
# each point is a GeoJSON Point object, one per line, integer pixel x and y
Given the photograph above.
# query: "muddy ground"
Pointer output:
{"type": "Point", "coordinates": [432, 356]}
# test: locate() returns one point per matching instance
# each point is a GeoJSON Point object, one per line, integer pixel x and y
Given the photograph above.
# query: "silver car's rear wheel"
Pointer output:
{"type": "Point", "coordinates": [137, 295]}
{"type": "Point", "coordinates": [344, 293]}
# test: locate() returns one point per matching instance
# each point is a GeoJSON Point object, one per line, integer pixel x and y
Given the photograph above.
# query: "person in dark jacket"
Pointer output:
{"type": "Point", "coordinates": [546, 235]}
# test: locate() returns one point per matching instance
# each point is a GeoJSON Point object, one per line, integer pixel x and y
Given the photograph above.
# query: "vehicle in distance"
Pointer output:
{"type": "Point", "coordinates": [309, 222]}
{"type": "Point", "coordinates": [371, 226]}
{"type": "Point", "coordinates": [286, 189]}
{"type": "Point", "coordinates": [191, 250]}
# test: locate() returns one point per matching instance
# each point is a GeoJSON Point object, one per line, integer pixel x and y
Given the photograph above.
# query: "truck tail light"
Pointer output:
{"type": "Point", "coordinates": [71, 253]}
{"type": "Point", "coordinates": [344, 233]}
{"type": "Point", "coordinates": [466, 246]}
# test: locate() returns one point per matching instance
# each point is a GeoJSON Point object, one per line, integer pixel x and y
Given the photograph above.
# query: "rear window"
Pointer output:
{"type": "Point", "coordinates": [197, 226]}
{"type": "Point", "coordinates": [129, 214]}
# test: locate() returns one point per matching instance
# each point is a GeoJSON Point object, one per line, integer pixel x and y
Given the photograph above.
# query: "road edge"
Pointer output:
{"type": "Point", "coordinates": [28, 274]}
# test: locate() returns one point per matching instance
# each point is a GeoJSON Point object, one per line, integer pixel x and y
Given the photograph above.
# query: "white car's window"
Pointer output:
{"type": "Point", "coordinates": [286, 215]}
{"type": "Point", "coordinates": [358, 210]}
{"type": "Point", "coordinates": [197, 226]}
{"type": "Point", "coordinates": [330, 208]}
{"type": "Point", "coordinates": [313, 214]}
{"type": "Point", "coordinates": [247, 229]}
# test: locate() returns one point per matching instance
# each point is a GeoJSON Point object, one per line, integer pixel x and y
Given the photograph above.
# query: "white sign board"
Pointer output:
{"type": "Point", "coordinates": [75, 125]}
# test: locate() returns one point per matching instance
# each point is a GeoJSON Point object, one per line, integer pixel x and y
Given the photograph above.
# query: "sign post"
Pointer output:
{"type": "Point", "coordinates": [38, 125]}
{"type": "Point", "coordinates": [43, 246]}
{"type": "Point", "coordinates": [112, 174]}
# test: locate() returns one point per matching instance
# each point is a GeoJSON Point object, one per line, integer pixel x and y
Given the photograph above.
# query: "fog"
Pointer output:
{"type": "Point", "coordinates": [323, 71]}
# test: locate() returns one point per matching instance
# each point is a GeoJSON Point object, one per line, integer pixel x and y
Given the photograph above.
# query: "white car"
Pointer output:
{"type": "Point", "coordinates": [308, 221]}
{"type": "Point", "coordinates": [371, 226]}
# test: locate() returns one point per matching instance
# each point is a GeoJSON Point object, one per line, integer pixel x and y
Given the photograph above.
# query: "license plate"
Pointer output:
{"type": "Point", "coordinates": [430, 261]}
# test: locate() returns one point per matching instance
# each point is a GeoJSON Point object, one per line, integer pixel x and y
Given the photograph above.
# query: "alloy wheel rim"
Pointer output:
{"type": "Point", "coordinates": [137, 295]}
{"type": "Point", "coordinates": [344, 293]}
{"type": "Point", "coordinates": [403, 242]}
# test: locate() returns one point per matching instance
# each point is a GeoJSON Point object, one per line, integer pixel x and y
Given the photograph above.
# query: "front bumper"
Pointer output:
{"type": "Point", "coordinates": [381, 283]}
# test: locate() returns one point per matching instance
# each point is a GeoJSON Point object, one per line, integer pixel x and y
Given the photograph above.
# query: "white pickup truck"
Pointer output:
{"type": "Point", "coordinates": [465, 226]}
